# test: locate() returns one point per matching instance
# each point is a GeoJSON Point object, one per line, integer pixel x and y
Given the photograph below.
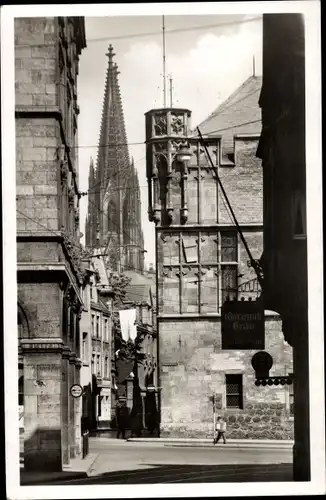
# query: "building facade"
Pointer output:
{"type": "Point", "coordinates": [96, 346]}
{"type": "Point", "coordinates": [282, 150]}
{"type": "Point", "coordinates": [49, 273]}
{"type": "Point", "coordinates": [114, 208]}
{"type": "Point", "coordinates": [201, 262]}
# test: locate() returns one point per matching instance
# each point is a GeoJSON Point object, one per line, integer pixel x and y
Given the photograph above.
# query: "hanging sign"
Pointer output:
{"type": "Point", "coordinates": [76, 391]}
{"type": "Point", "coordinates": [243, 325]}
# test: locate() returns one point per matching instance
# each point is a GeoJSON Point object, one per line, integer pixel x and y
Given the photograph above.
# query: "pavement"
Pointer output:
{"type": "Point", "coordinates": [77, 469]}
{"type": "Point", "coordinates": [238, 443]}
{"type": "Point", "coordinates": [153, 460]}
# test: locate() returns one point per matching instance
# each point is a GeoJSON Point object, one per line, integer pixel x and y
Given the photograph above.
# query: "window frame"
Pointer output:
{"type": "Point", "coordinates": [177, 275]}
{"type": "Point", "coordinates": [239, 393]}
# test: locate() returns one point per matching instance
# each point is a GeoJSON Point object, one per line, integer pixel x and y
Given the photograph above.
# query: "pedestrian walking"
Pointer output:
{"type": "Point", "coordinates": [122, 415]}
{"type": "Point", "coordinates": [220, 429]}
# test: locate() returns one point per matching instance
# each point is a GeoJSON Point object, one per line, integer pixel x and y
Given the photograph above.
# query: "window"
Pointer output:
{"type": "Point", "coordinates": [106, 333]}
{"type": "Point", "coordinates": [72, 323]}
{"type": "Point", "coordinates": [93, 364]}
{"type": "Point", "coordinates": [229, 284]}
{"type": "Point", "coordinates": [85, 347]}
{"type": "Point", "coordinates": [229, 272]}
{"type": "Point", "coordinates": [234, 397]}
{"type": "Point", "coordinates": [190, 251]}
{"type": "Point", "coordinates": [229, 246]}
{"type": "Point", "coordinates": [98, 366]}
{"type": "Point", "coordinates": [203, 275]}
{"type": "Point", "coordinates": [93, 320]}
{"type": "Point", "coordinates": [97, 326]}
{"type": "Point", "coordinates": [91, 290]}
{"type": "Point", "coordinates": [106, 367]}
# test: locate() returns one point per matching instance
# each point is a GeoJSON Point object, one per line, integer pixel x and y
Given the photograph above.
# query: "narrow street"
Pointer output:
{"type": "Point", "coordinates": [121, 462]}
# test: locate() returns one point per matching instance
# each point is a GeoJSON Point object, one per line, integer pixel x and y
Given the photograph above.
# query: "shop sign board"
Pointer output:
{"type": "Point", "coordinates": [243, 324]}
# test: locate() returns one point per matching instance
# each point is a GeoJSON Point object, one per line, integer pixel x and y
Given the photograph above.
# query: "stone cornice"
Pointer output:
{"type": "Point", "coordinates": [245, 226]}
{"type": "Point", "coordinates": [39, 112]}
{"type": "Point", "coordinates": [42, 344]}
{"type": "Point", "coordinates": [38, 235]}
{"type": "Point", "coordinates": [74, 252]}
{"type": "Point", "coordinates": [47, 269]}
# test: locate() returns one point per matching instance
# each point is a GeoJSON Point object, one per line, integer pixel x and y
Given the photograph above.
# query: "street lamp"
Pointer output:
{"type": "Point", "coordinates": [183, 155]}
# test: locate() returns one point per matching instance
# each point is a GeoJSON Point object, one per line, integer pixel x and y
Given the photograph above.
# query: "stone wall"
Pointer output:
{"type": "Point", "coordinates": [35, 61]}
{"type": "Point", "coordinates": [41, 303]}
{"type": "Point", "coordinates": [193, 367]}
{"type": "Point", "coordinates": [37, 173]}
{"type": "Point", "coordinates": [46, 194]}
{"type": "Point", "coordinates": [243, 184]}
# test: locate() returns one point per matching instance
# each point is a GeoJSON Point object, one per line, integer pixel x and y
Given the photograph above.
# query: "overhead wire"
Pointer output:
{"type": "Point", "coordinates": [156, 33]}
{"type": "Point", "coordinates": [118, 227]}
{"type": "Point", "coordinates": [127, 268]}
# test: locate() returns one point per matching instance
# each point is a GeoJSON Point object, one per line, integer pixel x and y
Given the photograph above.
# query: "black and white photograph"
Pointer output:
{"type": "Point", "coordinates": [163, 270]}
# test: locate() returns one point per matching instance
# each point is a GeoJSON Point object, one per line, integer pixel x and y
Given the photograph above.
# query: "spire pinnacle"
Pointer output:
{"type": "Point", "coordinates": [115, 66]}
{"type": "Point", "coordinates": [110, 54]}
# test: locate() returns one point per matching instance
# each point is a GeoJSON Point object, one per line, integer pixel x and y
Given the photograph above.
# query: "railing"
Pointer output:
{"type": "Point", "coordinates": [85, 443]}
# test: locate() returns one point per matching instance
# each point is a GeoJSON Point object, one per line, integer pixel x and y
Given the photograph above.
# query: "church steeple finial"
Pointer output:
{"type": "Point", "coordinates": [110, 54]}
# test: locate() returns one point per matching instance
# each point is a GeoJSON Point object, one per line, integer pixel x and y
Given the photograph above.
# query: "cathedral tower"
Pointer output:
{"type": "Point", "coordinates": [114, 208]}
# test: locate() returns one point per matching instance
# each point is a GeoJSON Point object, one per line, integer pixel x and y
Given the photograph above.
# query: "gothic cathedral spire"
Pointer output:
{"type": "Point", "coordinates": [114, 203]}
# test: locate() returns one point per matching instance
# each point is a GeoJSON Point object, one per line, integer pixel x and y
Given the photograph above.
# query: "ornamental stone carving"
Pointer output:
{"type": "Point", "coordinates": [74, 252]}
{"type": "Point", "coordinates": [177, 124]}
{"type": "Point", "coordinates": [71, 198]}
{"type": "Point", "coordinates": [64, 169]}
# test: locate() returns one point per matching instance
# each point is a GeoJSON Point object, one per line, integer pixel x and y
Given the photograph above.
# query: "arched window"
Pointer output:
{"type": "Point", "coordinates": [113, 223]}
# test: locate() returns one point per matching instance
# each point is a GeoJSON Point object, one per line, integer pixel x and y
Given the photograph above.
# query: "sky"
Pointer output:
{"type": "Point", "coordinates": [205, 60]}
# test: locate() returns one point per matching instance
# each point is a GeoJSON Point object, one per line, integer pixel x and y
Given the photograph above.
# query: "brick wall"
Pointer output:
{"type": "Point", "coordinates": [193, 367]}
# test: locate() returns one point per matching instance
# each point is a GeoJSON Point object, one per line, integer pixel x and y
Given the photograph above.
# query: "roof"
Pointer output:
{"type": "Point", "coordinates": [140, 289]}
{"type": "Point", "coordinates": [238, 114]}
{"type": "Point", "coordinates": [99, 266]}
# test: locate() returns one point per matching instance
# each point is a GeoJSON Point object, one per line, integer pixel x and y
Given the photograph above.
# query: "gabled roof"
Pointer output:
{"type": "Point", "coordinates": [139, 289]}
{"type": "Point", "coordinates": [239, 114]}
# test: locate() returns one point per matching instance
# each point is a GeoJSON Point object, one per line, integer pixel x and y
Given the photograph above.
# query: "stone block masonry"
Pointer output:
{"type": "Point", "coordinates": [193, 368]}
{"type": "Point", "coordinates": [243, 184]}
{"type": "Point", "coordinates": [37, 174]}
{"type": "Point", "coordinates": [35, 66]}
{"type": "Point", "coordinates": [49, 274]}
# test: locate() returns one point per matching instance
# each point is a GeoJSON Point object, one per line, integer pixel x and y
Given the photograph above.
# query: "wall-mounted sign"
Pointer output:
{"type": "Point", "coordinates": [262, 362]}
{"type": "Point", "coordinates": [243, 325]}
{"type": "Point", "coordinates": [76, 391]}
